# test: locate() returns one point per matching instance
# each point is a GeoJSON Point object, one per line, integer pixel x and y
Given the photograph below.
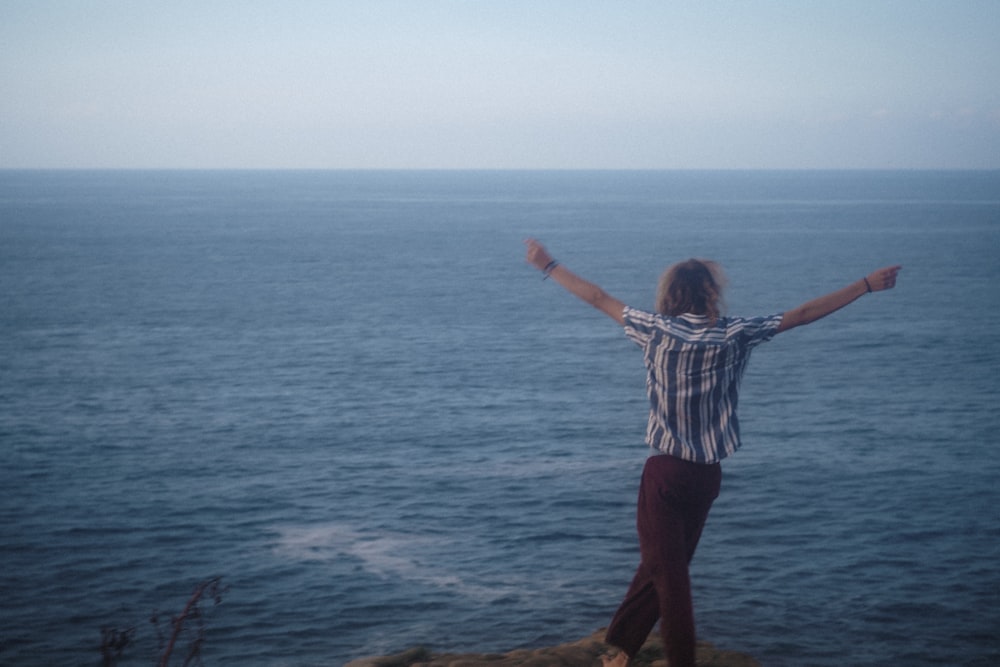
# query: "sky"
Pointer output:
{"type": "Point", "coordinates": [500, 84]}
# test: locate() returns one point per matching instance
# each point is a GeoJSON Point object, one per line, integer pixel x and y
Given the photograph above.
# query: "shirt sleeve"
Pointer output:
{"type": "Point", "coordinates": [639, 325]}
{"type": "Point", "coordinates": [757, 330]}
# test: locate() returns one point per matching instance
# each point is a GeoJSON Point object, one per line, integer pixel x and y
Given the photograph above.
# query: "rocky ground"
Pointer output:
{"type": "Point", "coordinates": [583, 653]}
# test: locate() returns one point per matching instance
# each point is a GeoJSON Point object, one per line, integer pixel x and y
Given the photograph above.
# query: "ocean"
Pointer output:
{"type": "Point", "coordinates": [348, 396]}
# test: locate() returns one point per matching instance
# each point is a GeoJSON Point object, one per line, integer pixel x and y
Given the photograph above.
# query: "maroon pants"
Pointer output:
{"type": "Point", "coordinates": [674, 499]}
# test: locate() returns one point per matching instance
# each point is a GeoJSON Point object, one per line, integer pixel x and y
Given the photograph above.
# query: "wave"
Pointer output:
{"type": "Point", "coordinates": [386, 555]}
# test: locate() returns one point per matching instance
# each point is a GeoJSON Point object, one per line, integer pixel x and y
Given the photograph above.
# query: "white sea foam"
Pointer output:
{"type": "Point", "coordinates": [386, 555]}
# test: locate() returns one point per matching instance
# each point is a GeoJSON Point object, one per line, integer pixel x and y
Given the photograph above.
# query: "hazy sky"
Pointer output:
{"type": "Point", "coordinates": [500, 84]}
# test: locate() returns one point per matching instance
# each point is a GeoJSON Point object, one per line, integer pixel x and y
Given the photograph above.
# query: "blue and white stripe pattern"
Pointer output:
{"type": "Point", "coordinates": [694, 372]}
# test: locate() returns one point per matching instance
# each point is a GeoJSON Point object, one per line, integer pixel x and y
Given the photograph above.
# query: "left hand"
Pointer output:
{"type": "Point", "coordinates": [883, 279]}
{"type": "Point", "coordinates": [536, 254]}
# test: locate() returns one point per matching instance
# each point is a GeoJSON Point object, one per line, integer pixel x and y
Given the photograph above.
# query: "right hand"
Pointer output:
{"type": "Point", "coordinates": [537, 255]}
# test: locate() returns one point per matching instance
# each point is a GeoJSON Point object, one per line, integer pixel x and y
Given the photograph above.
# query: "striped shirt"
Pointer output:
{"type": "Point", "coordinates": [693, 379]}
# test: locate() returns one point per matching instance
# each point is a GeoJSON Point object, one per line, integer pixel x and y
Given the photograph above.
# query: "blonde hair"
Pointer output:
{"type": "Point", "coordinates": [692, 286]}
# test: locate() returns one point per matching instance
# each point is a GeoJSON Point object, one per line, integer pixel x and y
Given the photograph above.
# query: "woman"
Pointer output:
{"type": "Point", "coordinates": [695, 357]}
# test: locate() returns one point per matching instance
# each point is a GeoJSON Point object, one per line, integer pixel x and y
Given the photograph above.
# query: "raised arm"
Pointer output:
{"type": "Point", "coordinates": [809, 312]}
{"type": "Point", "coordinates": [540, 258]}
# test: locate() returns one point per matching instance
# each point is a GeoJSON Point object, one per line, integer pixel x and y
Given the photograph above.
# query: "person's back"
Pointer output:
{"type": "Point", "coordinates": [694, 368]}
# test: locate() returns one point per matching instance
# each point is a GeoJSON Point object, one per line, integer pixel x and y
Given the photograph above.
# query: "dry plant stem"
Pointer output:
{"type": "Point", "coordinates": [179, 620]}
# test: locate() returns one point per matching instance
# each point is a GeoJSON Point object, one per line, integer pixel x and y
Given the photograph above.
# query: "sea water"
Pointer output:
{"type": "Point", "coordinates": [346, 394]}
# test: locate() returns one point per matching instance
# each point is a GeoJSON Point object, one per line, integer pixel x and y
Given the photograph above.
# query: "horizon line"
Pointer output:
{"type": "Point", "coordinates": [512, 169]}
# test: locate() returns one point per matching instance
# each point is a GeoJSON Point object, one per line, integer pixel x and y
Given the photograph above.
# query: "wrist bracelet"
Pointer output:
{"type": "Point", "coordinates": [549, 268]}
{"type": "Point", "coordinates": [867, 284]}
